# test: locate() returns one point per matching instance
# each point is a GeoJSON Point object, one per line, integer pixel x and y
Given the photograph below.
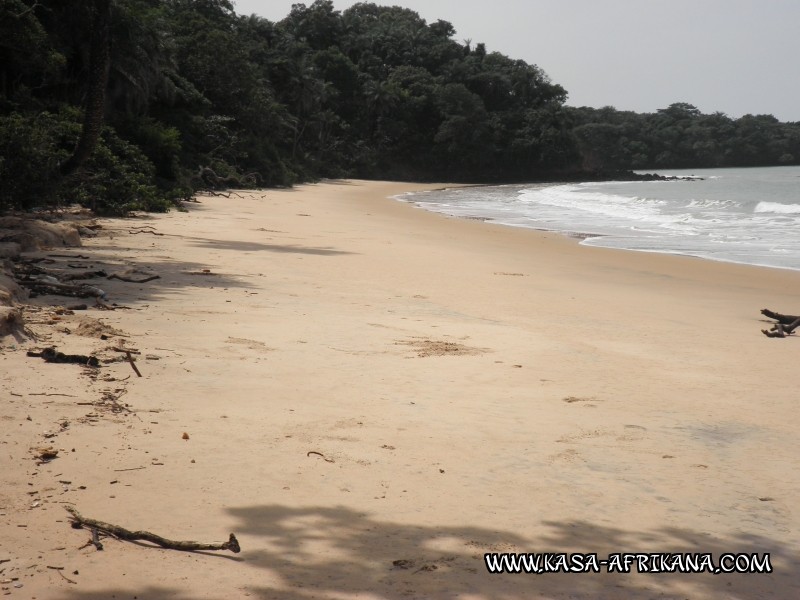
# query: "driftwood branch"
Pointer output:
{"type": "Point", "coordinates": [133, 363]}
{"type": "Point", "coordinates": [786, 324]}
{"type": "Point", "coordinates": [783, 319]}
{"type": "Point", "coordinates": [52, 355]}
{"type": "Point", "coordinates": [81, 522]}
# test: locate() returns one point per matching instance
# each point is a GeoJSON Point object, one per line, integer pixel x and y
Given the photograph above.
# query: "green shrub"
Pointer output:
{"type": "Point", "coordinates": [117, 179]}
{"type": "Point", "coordinates": [30, 153]}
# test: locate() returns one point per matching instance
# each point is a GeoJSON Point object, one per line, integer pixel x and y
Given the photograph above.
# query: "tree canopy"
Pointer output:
{"type": "Point", "coordinates": [132, 104]}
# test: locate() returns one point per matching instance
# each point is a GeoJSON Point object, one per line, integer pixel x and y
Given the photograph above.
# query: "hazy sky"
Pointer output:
{"type": "Point", "coordinates": [733, 56]}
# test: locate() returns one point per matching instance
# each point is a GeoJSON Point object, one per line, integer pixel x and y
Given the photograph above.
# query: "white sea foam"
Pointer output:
{"type": "Point", "coordinates": [777, 208]}
{"type": "Point", "coordinates": [736, 215]}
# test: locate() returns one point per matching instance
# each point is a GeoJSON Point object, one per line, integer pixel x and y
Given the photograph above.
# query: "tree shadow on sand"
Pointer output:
{"type": "Point", "coordinates": [323, 552]}
{"type": "Point", "coordinates": [257, 246]}
{"type": "Point", "coordinates": [173, 275]}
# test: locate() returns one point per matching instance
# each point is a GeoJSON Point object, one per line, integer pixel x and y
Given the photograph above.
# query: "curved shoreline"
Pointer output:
{"type": "Point", "coordinates": [605, 239]}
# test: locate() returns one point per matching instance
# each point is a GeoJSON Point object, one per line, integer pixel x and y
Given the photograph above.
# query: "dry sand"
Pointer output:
{"type": "Point", "coordinates": [462, 388]}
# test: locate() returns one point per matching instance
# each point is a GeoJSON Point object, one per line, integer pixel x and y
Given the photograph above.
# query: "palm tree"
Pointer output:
{"type": "Point", "coordinates": [99, 64]}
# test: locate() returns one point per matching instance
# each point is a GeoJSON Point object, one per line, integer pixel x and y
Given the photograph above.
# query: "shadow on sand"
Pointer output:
{"type": "Point", "coordinates": [335, 552]}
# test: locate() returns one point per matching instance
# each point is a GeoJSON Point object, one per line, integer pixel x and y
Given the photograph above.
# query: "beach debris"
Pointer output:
{"type": "Point", "coordinates": [185, 435]}
{"type": "Point", "coordinates": [39, 280]}
{"type": "Point", "coordinates": [325, 458]}
{"type": "Point", "coordinates": [64, 577]}
{"type": "Point", "coordinates": [29, 270]}
{"type": "Point", "coordinates": [52, 355]}
{"type": "Point", "coordinates": [145, 231]}
{"type": "Point", "coordinates": [129, 356]}
{"type": "Point", "coordinates": [63, 289]}
{"type": "Point", "coordinates": [97, 527]}
{"type": "Point", "coordinates": [45, 453]}
{"type": "Point", "coordinates": [427, 347]}
{"type": "Point", "coordinates": [786, 324]}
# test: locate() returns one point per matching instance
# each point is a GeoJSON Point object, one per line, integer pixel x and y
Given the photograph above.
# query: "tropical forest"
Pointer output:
{"type": "Point", "coordinates": [123, 105]}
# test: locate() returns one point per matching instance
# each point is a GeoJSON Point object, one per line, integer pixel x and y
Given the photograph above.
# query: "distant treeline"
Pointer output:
{"type": "Point", "coordinates": [680, 136]}
{"type": "Point", "coordinates": [133, 104]}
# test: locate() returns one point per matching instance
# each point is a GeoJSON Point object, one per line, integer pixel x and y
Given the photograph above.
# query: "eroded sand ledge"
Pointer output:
{"type": "Point", "coordinates": [475, 389]}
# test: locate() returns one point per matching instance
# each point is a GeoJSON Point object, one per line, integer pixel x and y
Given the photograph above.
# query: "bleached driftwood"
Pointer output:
{"type": "Point", "coordinates": [81, 522]}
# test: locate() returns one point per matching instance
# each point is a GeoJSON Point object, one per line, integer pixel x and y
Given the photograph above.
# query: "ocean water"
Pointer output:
{"type": "Point", "coordinates": [749, 216]}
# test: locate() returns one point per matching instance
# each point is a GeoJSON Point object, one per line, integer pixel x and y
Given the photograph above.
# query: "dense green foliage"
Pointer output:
{"type": "Point", "coordinates": [680, 136]}
{"type": "Point", "coordinates": [132, 104]}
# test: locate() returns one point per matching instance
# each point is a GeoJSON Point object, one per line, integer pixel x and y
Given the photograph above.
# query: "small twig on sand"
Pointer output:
{"type": "Point", "coordinates": [131, 469]}
{"type": "Point", "coordinates": [133, 364]}
{"type": "Point", "coordinates": [79, 522]}
{"type": "Point", "coordinates": [67, 578]}
{"type": "Point", "coordinates": [325, 458]}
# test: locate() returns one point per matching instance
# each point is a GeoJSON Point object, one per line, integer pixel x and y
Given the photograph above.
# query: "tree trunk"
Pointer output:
{"type": "Point", "coordinates": [99, 65]}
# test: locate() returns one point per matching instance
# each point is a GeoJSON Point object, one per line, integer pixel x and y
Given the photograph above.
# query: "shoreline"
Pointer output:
{"type": "Point", "coordinates": [374, 396]}
{"type": "Point", "coordinates": [622, 239]}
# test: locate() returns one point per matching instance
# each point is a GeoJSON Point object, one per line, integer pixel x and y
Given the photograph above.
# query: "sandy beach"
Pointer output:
{"type": "Point", "coordinates": [372, 397]}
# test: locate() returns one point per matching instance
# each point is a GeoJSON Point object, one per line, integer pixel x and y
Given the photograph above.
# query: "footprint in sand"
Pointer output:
{"type": "Point", "coordinates": [568, 456]}
{"type": "Point", "coordinates": [584, 435]}
{"type": "Point", "coordinates": [631, 433]}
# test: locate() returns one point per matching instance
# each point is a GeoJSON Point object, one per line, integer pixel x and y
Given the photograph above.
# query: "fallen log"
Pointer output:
{"type": "Point", "coordinates": [81, 522]}
{"type": "Point", "coordinates": [786, 324]}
